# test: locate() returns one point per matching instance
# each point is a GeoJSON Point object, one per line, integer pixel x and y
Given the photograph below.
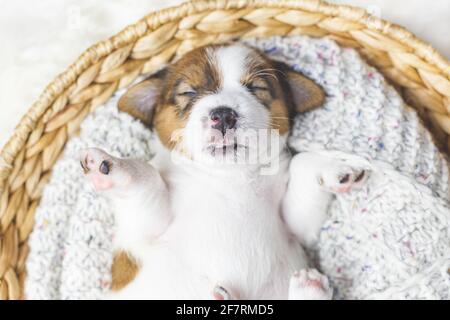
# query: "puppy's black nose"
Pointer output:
{"type": "Point", "coordinates": [223, 119]}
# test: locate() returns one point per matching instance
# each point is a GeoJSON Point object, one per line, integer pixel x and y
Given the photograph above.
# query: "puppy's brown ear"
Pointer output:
{"type": "Point", "coordinates": [140, 100]}
{"type": "Point", "coordinates": [305, 94]}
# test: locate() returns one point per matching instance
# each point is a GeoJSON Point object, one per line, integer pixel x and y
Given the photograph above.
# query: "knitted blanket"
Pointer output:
{"type": "Point", "coordinates": [391, 239]}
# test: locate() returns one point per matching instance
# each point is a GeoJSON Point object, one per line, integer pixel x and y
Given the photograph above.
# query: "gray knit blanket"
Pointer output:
{"type": "Point", "coordinates": [389, 240]}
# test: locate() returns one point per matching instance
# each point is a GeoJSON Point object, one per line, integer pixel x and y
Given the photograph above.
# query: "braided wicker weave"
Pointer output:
{"type": "Point", "coordinates": [414, 67]}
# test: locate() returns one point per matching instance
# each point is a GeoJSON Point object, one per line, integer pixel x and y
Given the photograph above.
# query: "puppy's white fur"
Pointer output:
{"type": "Point", "coordinates": [195, 226]}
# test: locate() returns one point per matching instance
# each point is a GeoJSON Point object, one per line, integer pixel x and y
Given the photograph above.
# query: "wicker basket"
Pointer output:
{"type": "Point", "coordinates": [419, 73]}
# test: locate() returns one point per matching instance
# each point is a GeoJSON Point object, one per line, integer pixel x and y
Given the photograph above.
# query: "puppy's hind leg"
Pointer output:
{"type": "Point", "coordinates": [137, 192]}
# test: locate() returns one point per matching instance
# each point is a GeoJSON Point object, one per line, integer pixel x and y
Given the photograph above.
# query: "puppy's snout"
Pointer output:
{"type": "Point", "coordinates": [223, 119]}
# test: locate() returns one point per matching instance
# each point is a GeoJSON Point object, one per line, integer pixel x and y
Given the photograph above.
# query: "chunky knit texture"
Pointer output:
{"type": "Point", "coordinates": [391, 239]}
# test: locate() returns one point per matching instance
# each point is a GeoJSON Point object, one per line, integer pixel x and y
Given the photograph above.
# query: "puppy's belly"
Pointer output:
{"type": "Point", "coordinates": [251, 259]}
{"type": "Point", "coordinates": [178, 267]}
{"type": "Point", "coordinates": [227, 234]}
{"type": "Point", "coordinates": [244, 248]}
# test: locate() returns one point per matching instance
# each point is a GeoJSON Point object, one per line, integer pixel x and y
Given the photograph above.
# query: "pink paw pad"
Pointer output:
{"type": "Point", "coordinates": [309, 284]}
{"type": "Point", "coordinates": [304, 280]}
{"type": "Point", "coordinates": [342, 179]}
{"type": "Point", "coordinates": [220, 293]}
{"type": "Point", "coordinates": [97, 166]}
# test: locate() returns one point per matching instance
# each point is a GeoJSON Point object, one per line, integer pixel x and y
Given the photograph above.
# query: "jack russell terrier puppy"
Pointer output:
{"type": "Point", "coordinates": [210, 217]}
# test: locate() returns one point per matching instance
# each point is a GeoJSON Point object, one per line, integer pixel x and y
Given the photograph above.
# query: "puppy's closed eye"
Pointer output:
{"type": "Point", "coordinates": [260, 88]}
{"type": "Point", "coordinates": [184, 94]}
{"type": "Point", "coordinates": [189, 94]}
{"type": "Point", "coordinates": [255, 87]}
{"type": "Point", "coordinates": [185, 89]}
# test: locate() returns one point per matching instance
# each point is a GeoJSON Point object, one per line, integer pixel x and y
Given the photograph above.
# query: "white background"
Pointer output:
{"type": "Point", "coordinates": [39, 39]}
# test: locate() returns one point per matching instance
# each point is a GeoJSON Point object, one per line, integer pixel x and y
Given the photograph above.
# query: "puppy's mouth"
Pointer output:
{"type": "Point", "coordinates": [225, 143]}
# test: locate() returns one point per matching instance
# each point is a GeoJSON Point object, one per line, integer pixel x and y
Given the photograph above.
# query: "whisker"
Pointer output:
{"type": "Point", "coordinates": [284, 118]}
{"type": "Point", "coordinates": [263, 124]}
{"type": "Point", "coordinates": [263, 72]}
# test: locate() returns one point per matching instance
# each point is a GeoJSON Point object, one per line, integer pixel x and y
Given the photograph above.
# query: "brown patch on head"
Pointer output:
{"type": "Point", "coordinates": [280, 118]}
{"type": "Point", "coordinates": [167, 121]}
{"type": "Point", "coordinates": [262, 79]}
{"type": "Point", "coordinates": [283, 91]}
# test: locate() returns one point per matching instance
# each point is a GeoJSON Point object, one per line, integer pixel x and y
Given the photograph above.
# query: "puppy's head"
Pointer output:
{"type": "Point", "coordinates": [206, 103]}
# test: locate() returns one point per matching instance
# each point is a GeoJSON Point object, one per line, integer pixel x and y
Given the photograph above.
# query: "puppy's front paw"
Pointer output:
{"type": "Point", "coordinates": [309, 284]}
{"type": "Point", "coordinates": [341, 177]}
{"type": "Point", "coordinates": [102, 169]}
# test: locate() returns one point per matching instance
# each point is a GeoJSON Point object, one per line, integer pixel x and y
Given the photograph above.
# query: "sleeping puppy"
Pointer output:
{"type": "Point", "coordinates": [223, 208]}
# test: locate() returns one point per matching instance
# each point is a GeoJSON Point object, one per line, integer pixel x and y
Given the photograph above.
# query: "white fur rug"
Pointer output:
{"type": "Point", "coordinates": [41, 38]}
{"type": "Point", "coordinates": [389, 240]}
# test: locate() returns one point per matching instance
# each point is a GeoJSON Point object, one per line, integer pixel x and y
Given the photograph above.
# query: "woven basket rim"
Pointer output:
{"type": "Point", "coordinates": [155, 19]}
